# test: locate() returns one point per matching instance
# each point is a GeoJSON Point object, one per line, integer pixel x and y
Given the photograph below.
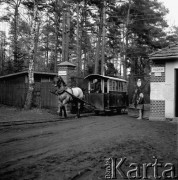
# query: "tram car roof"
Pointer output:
{"type": "Point", "coordinates": [98, 76]}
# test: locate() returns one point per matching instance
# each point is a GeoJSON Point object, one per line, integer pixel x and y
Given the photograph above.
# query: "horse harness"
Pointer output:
{"type": "Point", "coordinates": [60, 92]}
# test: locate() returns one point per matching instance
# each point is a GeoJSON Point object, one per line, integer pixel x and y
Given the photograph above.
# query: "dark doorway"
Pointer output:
{"type": "Point", "coordinates": [176, 93]}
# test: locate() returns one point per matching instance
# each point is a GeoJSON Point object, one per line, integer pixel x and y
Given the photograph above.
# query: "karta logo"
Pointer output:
{"type": "Point", "coordinates": [114, 169]}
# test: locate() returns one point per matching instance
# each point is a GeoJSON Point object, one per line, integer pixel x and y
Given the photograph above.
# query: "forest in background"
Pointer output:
{"type": "Point", "coordinates": [72, 30]}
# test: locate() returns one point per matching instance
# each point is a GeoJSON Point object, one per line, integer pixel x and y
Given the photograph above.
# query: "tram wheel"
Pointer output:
{"type": "Point", "coordinates": [96, 112]}
{"type": "Point", "coordinates": [119, 111]}
{"type": "Point", "coordinates": [108, 112]}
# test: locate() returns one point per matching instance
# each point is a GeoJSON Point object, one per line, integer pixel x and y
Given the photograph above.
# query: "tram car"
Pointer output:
{"type": "Point", "coordinates": [107, 94]}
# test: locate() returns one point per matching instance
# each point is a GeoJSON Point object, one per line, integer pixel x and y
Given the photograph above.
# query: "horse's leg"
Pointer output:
{"type": "Point", "coordinates": [65, 107]}
{"type": "Point", "coordinates": [59, 111]}
{"type": "Point", "coordinates": [58, 107]}
{"type": "Point", "coordinates": [81, 106]}
{"type": "Point", "coordinates": [65, 114]}
{"type": "Point", "coordinates": [61, 108]}
{"type": "Point", "coordinates": [78, 109]}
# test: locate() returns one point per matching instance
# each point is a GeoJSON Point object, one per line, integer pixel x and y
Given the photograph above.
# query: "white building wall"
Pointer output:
{"type": "Point", "coordinates": [169, 93]}
{"type": "Point", "coordinates": [157, 91]}
{"type": "Point", "coordinates": [157, 98]}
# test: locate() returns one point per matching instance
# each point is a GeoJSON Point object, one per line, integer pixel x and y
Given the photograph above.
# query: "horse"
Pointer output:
{"type": "Point", "coordinates": [67, 95]}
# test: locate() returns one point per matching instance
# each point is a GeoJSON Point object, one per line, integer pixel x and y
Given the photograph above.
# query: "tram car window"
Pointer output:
{"type": "Point", "coordinates": [110, 85]}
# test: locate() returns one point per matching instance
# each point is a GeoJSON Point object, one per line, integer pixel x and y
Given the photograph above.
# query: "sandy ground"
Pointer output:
{"type": "Point", "coordinates": [76, 149]}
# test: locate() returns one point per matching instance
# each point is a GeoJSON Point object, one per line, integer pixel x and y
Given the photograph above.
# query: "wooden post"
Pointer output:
{"type": "Point", "coordinates": [108, 86]}
{"type": "Point", "coordinates": [102, 86]}
{"type": "Point", "coordinates": [89, 86]}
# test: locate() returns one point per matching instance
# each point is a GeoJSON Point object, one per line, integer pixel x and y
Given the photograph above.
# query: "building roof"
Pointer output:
{"type": "Point", "coordinates": [97, 76]}
{"type": "Point", "coordinates": [170, 52]}
{"type": "Point", "coordinates": [26, 72]}
{"type": "Point", "coordinates": [66, 63]}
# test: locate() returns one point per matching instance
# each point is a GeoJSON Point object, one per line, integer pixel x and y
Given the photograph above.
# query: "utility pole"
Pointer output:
{"type": "Point", "coordinates": [103, 39]}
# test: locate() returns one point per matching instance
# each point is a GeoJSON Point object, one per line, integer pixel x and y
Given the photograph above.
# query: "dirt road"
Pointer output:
{"type": "Point", "coordinates": [77, 148]}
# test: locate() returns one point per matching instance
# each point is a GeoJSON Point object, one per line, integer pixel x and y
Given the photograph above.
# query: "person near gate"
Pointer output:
{"type": "Point", "coordinates": [138, 99]}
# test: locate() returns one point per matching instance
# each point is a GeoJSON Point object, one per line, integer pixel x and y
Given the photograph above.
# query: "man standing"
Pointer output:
{"type": "Point", "coordinates": [140, 105]}
{"type": "Point", "coordinates": [138, 99]}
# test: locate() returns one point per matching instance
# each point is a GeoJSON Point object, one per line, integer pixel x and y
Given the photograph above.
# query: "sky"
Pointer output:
{"type": "Point", "coordinates": [172, 17]}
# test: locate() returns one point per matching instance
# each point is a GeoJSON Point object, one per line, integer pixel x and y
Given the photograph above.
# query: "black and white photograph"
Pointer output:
{"type": "Point", "coordinates": [88, 89]}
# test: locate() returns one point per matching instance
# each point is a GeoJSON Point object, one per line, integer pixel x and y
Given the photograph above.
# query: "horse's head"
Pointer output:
{"type": "Point", "coordinates": [58, 81]}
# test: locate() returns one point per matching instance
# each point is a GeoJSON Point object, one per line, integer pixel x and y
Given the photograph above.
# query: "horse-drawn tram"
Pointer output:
{"type": "Point", "coordinates": [106, 94]}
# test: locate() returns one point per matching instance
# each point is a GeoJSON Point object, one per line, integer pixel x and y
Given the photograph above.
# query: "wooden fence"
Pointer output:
{"type": "Point", "coordinates": [15, 95]}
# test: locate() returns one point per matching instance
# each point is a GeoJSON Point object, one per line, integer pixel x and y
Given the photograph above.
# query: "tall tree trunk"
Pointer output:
{"type": "Point", "coordinates": [83, 38]}
{"type": "Point", "coordinates": [126, 39]}
{"type": "Point", "coordinates": [28, 102]}
{"type": "Point", "coordinates": [67, 33]}
{"type": "Point", "coordinates": [98, 43]}
{"type": "Point", "coordinates": [16, 14]}
{"type": "Point", "coordinates": [63, 35]}
{"type": "Point", "coordinates": [36, 41]}
{"type": "Point", "coordinates": [56, 35]}
{"type": "Point", "coordinates": [47, 42]}
{"type": "Point", "coordinates": [56, 51]}
{"type": "Point", "coordinates": [15, 36]}
{"type": "Point", "coordinates": [103, 39]}
{"type": "Point", "coordinates": [78, 43]}
{"type": "Point", "coordinates": [47, 49]}
{"type": "Point", "coordinates": [2, 57]}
